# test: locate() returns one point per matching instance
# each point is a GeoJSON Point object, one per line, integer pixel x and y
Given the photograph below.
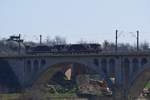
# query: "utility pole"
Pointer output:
{"type": "Point", "coordinates": [19, 43]}
{"type": "Point", "coordinates": [137, 40]}
{"type": "Point", "coordinates": [40, 39]}
{"type": "Point", "coordinates": [116, 49]}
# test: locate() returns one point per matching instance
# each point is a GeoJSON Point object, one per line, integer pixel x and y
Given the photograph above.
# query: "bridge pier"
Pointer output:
{"type": "Point", "coordinates": [120, 94]}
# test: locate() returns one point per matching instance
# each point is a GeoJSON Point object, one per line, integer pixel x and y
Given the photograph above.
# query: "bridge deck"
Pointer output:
{"type": "Point", "coordinates": [77, 54]}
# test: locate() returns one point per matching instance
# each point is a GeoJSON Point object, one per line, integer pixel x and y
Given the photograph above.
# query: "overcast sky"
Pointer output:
{"type": "Point", "coordinates": [90, 20]}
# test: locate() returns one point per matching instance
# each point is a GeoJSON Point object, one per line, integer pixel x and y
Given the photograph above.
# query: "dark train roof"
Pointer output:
{"type": "Point", "coordinates": [59, 47]}
{"type": "Point", "coordinates": [63, 48]}
{"type": "Point", "coordinates": [77, 47]}
{"type": "Point", "coordinates": [95, 46]}
{"type": "Point", "coordinates": [41, 48]}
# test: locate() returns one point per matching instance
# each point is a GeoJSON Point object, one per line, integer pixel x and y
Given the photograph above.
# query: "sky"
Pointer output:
{"type": "Point", "coordinates": [75, 20]}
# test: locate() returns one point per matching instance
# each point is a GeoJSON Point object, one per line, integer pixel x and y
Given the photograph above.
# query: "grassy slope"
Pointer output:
{"type": "Point", "coordinates": [147, 85]}
{"type": "Point", "coordinates": [11, 96]}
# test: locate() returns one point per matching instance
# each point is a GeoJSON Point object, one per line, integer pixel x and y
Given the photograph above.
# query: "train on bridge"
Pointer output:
{"type": "Point", "coordinates": [66, 48]}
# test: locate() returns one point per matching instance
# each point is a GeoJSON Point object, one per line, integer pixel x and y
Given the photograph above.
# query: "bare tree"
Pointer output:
{"type": "Point", "coordinates": [59, 40]}
{"type": "Point", "coordinates": [144, 46]}
{"type": "Point", "coordinates": [82, 42]}
{"type": "Point", "coordinates": [106, 45]}
{"type": "Point", "coordinates": [56, 41]}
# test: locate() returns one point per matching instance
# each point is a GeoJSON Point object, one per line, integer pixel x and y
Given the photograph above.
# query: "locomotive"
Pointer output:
{"type": "Point", "coordinates": [65, 49]}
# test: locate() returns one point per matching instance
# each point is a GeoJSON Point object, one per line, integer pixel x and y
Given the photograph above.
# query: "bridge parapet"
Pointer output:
{"type": "Point", "coordinates": [76, 55]}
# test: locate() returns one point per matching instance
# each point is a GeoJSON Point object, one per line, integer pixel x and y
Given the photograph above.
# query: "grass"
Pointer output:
{"type": "Point", "coordinates": [63, 95]}
{"type": "Point", "coordinates": [9, 96]}
{"type": "Point", "coordinates": [16, 96]}
{"type": "Point", "coordinates": [147, 85]}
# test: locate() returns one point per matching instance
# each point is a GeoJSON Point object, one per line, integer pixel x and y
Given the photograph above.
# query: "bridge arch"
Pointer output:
{"type": "Point", "coordinates": [126, 70]}
{"type": "Point", "coordinates": [35, 66]}
{"type": "Point", "coordinates": [96, 62]}
{"type": "Point", "coordinates": [50, 71]}
{"type": "Point", "coordinates": [42, 63]}
{"type": "Point", "coordinates": [135, 66]}
{"type": "Point", "coordinates": [104, 65]}
{"type": "Point", "coordinates": [9, 81]}
{"type": "Point", "coordinates": [29, 66]}
{"type": "Point", "coordinates": [143, 61]}
{"type": "Point", "coordinates": [138, 84]}
{"type": "Point", "coordinates": [112, 66]}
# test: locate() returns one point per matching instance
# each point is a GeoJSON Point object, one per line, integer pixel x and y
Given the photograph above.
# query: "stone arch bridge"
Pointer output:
{"type": "Point", "coordinates": [131, 70]}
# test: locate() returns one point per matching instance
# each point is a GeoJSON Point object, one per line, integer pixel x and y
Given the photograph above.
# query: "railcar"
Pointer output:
{"type": "Point", "coordinates": [66, 48]}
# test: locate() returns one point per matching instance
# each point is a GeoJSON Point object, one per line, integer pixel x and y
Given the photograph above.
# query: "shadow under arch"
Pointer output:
{"type": "Point", "coordinates": [9, 82]}
{"type": "Point", "coordinates": [138, 84]}
{"type": "Point", "coordinates": [48, 73]}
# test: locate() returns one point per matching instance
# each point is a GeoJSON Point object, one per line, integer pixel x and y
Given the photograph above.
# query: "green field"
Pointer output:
{"type": "Point", "coordinates": [38, 95]}
{"type": "Point", "coordinates": [11, 96]}
{"type": "Point", "coordinates": [147, 85]}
